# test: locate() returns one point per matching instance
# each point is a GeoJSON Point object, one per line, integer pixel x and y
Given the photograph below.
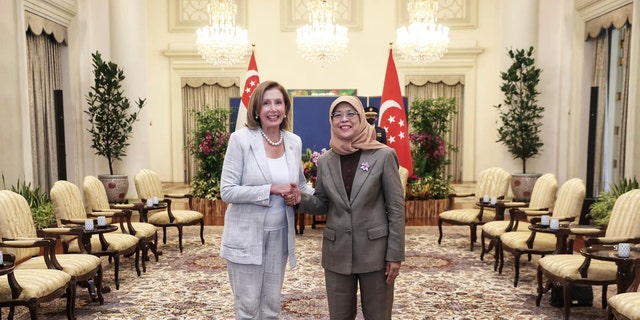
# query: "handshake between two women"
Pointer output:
{"type": "Point", "coordinates": [290, 193]}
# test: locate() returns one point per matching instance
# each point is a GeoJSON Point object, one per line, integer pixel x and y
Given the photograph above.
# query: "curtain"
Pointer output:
{"type": "Point", "coordinates": [624, 95]}
{"type": "Point", "coordinates": [197, 94]}
{"type": "Point", "coordinates": [429, 87]}
{"type": "Point", "coordinates": [599, 79]}
{"type": "Point", "coordinates": [44, 76]}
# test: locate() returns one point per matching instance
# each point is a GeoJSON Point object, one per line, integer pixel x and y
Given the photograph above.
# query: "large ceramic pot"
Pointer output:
{"type": "Point", "coordinates": [522, 185]}
{"type": "Point", "coordinates": [116, 186]}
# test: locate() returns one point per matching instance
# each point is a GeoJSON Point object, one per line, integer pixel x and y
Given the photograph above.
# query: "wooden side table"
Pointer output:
{"type": "Point", "coordinates": [624, 275]}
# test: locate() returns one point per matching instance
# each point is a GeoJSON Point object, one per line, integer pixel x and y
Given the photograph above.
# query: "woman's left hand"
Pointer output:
{"type": "Point", "coordinates": [393, 270]}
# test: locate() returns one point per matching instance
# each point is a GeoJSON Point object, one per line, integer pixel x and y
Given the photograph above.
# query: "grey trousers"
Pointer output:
{"type": "Point", "coordinates": [257, 289]}
{"type": "Point", "coordinates": [375, 294]}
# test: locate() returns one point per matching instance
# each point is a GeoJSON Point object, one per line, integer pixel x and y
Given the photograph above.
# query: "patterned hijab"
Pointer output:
{"type": "Point", "coordinates": [365, 138]}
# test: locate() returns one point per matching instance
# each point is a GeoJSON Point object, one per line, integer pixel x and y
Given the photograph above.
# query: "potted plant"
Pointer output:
{"type": "Point", "coordinates": [111, 122]}
{"type": "Point", "coordinates": [520, 117]}
{"type": "Point", "coordinates": [428, 188]}
{"type": "Point", "coordinates": [208, 144]}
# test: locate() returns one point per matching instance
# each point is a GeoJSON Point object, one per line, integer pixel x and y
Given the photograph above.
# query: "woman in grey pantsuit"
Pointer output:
{"type": "Point", "coordinates": [261, 167]}
{"type": "Point", "coordinates": [359, 189]}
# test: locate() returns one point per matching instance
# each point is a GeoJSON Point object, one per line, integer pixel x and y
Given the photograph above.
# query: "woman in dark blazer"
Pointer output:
{"type": "Point", "coordinates": [261, 166]}
{"type": "Point", "coordinates": [359, 189]}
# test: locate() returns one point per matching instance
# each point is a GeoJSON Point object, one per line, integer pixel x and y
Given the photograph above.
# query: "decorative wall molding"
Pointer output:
{"type": "Point", "coordinates": [293, 14]}
{"type": "Point", "coordinates": [455, 14]}
{"type": "Point", "coordinates": [189, 15]}
{"type": "Point", "coordinates": [590, 9]}
{"type": "Point", "coordinates": [58, 11]}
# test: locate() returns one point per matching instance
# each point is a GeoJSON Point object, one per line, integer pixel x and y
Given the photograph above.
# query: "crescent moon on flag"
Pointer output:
{"type": "Point", "coordinates": [252, 73]}
{"type": "Point", "coordinates": [389, 104]}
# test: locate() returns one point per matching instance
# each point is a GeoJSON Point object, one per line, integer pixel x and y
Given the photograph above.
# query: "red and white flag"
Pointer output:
{"type": "Point", "coordinates": [393, 117]}
{"type": "Point", "coordinates": [252, 81]}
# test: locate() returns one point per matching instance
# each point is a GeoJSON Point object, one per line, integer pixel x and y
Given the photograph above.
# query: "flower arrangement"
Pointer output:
{"type": "Point", "coordinates": [208, 145]}
{"type": "Point", "coordinates": [310, 163]}
{"type": "Point", "coordinates": [429, 121]}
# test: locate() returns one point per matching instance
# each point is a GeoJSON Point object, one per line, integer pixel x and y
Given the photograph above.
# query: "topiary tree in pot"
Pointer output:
{"type": "Point", "coordinates": [520, 117]}
{"type": "Point", "coordinates": [111, 121]}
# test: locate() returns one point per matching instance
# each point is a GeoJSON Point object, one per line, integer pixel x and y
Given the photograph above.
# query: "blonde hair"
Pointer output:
{"type": "Point", "coordinates": [255, 105]}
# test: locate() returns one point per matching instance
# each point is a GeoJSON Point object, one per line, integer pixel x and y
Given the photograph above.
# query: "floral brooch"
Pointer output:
{"type": "Point", "coordinates": [364, 166]}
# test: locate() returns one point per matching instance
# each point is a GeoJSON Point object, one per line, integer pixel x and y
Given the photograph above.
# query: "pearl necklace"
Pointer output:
{"type": "Point", "coordinates": [275, 144]}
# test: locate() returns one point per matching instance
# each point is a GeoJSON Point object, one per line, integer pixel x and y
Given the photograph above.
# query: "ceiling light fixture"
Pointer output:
{"type": "Point", "coordinates": [424, 40]}
{"type": "Point", "coordinates": [221, 42]}
{"type": "Point", "coordinates": [322, 41]}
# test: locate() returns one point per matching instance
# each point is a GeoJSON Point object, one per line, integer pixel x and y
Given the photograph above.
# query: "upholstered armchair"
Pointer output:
{"type": "Point", "coordinates": [30, 287]}
{"type": "Point", "coordinates": [70, 211]}
{"type": "Point", "coordinates": [567, 208]}
{"type": "Point", "coordinates": [493, 182]}
{"type": "Point", "coordinates": [570, 270]}
{"type": "Point", "coordinates": [97, 204]}
{"type": "Point", "coordinates": [148, 185]}
{"type": "Point", "coordinates": [626, 306]}
{"type": "Point", "coordinates": [20, 238]}
{"type": "Point", "coordinates": [543, 197]}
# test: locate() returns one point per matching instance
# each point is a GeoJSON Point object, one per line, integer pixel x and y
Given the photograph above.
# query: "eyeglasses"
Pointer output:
{"type": "Point", "coordinates": [350, 115]}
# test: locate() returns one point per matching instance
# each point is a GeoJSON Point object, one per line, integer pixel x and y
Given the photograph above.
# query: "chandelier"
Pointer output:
{"type": "Point", "coordinates": [423, 40]}
{"type": "Point", "coordinates": [221, 42]}
{"type": "Point", "coordinates": [322, 41]}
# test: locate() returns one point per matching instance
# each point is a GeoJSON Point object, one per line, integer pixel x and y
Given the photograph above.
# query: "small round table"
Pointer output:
{"type": "Point", "coordinates": [624, 274]}
{"type": "Point", "coordinates": [562, 234]}
{"type": "Point", "coordinates": [100, 231]}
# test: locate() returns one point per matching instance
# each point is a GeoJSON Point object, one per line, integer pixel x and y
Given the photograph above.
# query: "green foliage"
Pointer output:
{"type": "Point", "coordinates": [520, 114]}
{"type": "Point", "coordinates": [208, 144]}
{"type": "Point", "coordinates": [39, 202]}
{"type": "Point", "coordinates": [430, 121]}
{"type": "Point", "coordinates": [109, 115]}
{"type": "Point", "coordinates": [600, 211]}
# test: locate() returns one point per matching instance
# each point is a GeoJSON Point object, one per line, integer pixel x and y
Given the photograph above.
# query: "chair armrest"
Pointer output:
{"type": "Point", "coordinates": [461, 194]}
{"type": "Point", "coordinates": [48, 246]}
{"type": "Point", "coordinates": [178, 195]}
{"type": "Point", "coordinates": [74, 221]}
{"type": "Point", "coordinates": [121, 206]}
{"type": "Point", "coordinates": [514, 204]}
{"type": "Point", "coordinates": [109, 213]}
{"type": "Point", "coordinates": [536, 213]}
{"type": "Point", "coordinates": [609, 240]}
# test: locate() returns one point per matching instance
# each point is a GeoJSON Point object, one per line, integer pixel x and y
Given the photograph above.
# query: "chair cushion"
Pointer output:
{"type": "Point", "coordinates": [467, 215]}
{"type": "Point", "coordinates": [627, 304]}
{"type": "Point", "coordinates": [518, 240]}
{"type": "Point", "coordinates": [496, 228]}
{"type": "Point", "coordinates": [73, 264]}
{"type": "Point", "coordinates": [182, 217]}
{"type": "Point", "coordinates": [567, 265]}
{"type": "Point", "coordinates": [117, 242]}
{"type": "Point", "coordinates": [144, 230]}
{"type": "Point", "coordinates": [34, 283]}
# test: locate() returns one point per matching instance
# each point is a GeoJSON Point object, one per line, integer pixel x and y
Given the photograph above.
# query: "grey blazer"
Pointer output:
{"type": "Point", "coordinates": [364, 232]}
{"type": "Point", "coordinates": [245, 185]}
